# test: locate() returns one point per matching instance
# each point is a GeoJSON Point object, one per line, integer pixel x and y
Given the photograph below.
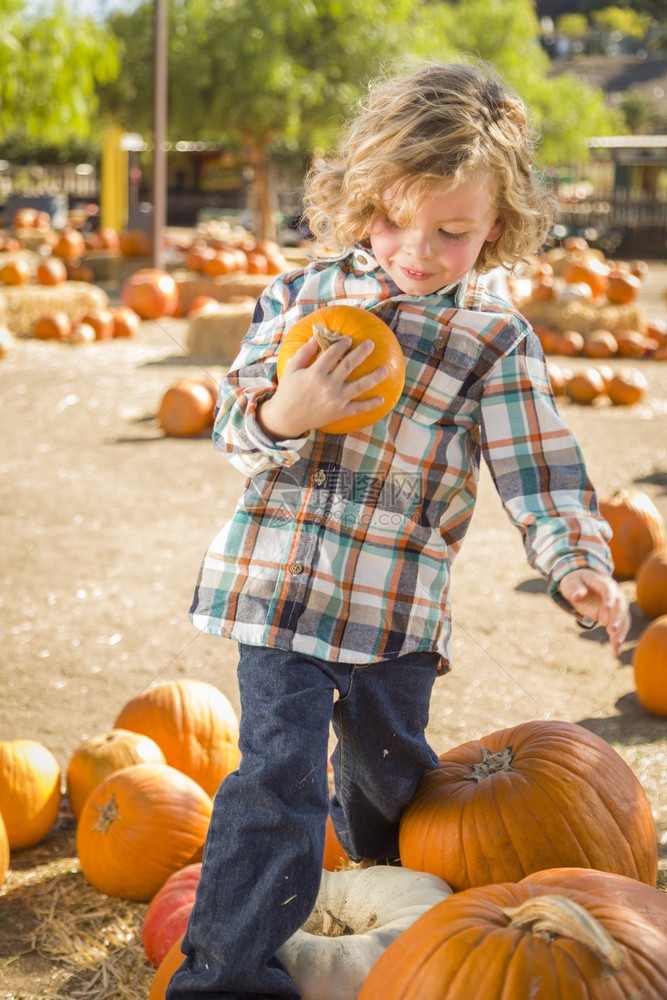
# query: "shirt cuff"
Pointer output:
{"type": "Point", "coordinates": [285, 452]}
{"type": "Point", "coordinates": [567, 565]}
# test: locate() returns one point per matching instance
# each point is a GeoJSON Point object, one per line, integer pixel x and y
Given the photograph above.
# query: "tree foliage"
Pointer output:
{"type": "Point", "coordinates": [50, 66]}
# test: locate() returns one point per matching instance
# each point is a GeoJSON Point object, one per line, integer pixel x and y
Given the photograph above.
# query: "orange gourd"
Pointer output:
{"type": "Point", "coordinates": [585, 386]}
{"type": "Point", "coordinates": [331, 322]}
{"type": "Point", "coordinates": [151, 293]}
{"type": "Point", "coordinates": [622, 287]}
{"type": "Point", "coordinates": [100, 756]}
{"type": "Point", "coordinates": [627, 387]}
{"type": "Point", "coordinates": [51, 271]}
{"type": "Point", "coordinates": [4, 851]}
{"type": "Point", "coordinates": [102, 322]}
{"type": "Point", "coordinates": [168, 912]}
{"type": "Point", "coordinates": [649, 663]}
{"type": "Point", "coordinates": [600, 344]}
{"type": "Point", "coordinates": [645, 899]}
{"type": "Point", "coordinates": [171, 961]}
{"type": "Point", "coordinates": [589, 270]}
{"type": "Point", "coordinates": [15, 272]}
{"type": "Point", "coordinates": [193, 723]}
{"type": "Point", "coordinates": [140, 825]}
{"type": "Point", "coordinates": [185, 408]}
{"type": "Point", "coordinates": [70, 245]}
{"type": "Point", "coordinates": [521, 800]}
{"type": "Point", "coordinates": [53, 326]}
{"type": "Point", "coordinates": [29, 791]}
{"type": "Point", "coordinates": [651, 584]}
{"type": "Point", "coordinates": [637, 529]}
{"type": "Point", "coordinates": [509, 942]}
{"type": "Point", "coordinates": [126, 322]}
{"type": "Point", "coordinates": [335, 857]}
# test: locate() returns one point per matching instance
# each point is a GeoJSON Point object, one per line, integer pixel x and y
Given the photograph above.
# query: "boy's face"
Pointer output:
{"type": "Point", "coordinates": [443, 240]}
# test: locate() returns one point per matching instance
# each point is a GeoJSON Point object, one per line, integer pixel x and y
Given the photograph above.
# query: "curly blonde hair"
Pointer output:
{"type": "Point", "coordinates": [440, 122]}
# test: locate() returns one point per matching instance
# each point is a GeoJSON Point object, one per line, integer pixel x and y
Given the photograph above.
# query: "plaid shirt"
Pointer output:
{"type": "Point", "coordinates": [341, 545]}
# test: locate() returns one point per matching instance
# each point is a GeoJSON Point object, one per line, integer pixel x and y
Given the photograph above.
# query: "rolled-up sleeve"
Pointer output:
{"type": "Point", "coordinates": [250, 380]}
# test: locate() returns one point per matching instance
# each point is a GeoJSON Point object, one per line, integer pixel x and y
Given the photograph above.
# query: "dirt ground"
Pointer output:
{"type": "Point", "coordinates": [104, 522]}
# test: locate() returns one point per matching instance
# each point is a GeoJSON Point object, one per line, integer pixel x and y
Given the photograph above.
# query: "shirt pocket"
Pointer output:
{"type": "Point", "coordinates": [439, 383]}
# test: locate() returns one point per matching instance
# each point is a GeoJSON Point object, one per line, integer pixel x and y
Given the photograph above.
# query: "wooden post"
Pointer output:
{"type": "Point", "coordinates": [159, 131]}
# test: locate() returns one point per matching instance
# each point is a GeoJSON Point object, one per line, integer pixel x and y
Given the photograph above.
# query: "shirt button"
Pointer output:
{"type": "Point", "coordinates": [296, 567]}
{"type": "Point", "coordinates": [438, 343]}
{"type": "Point", "coordinates": [320, 477]}
{"type": "Point", "coordinates": [361, 259]}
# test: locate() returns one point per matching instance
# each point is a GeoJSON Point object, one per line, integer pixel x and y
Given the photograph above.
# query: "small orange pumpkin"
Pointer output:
{"type": "Point", "coordinates": [15, 272]}
{"type": "Point", "coordinates": [102, 322]}
{"type": "Point", "coordinates": [600, 344]}
{"type": "Point", "coordinates": [650, 667]}
{"type": "Point", "coordinates": [29, 791]}
{"type": "Point", "coordinates": [101, 755]}
{"type": "Point", "coordinates": [51, 271]}
{"type": "Point", "coordinates": [585, 386]}
{"type": "Point", "coordinates": [126, 322]}
{"type": "Point", "coordinates": [185, 408]}
{"type": "Point", "coordinates": [329, 323]}
{"type": "Point", "coordinates": [627, 387]}
{"type": "Point", "coordinates": [651, 584]}
{"type": "Point", "coordinates": [193, 723]}
{"type": "Point", "coordinates": [335, 857]}
{"type": "Point", "coordinates": [520, 800]}
{"type": "Point", "coordinates": [591, 271]}
{"type": "Point", "coordinates": [637, 529]}
{"type": "Point", "coordinates": [140, 825]}
{"type": "Point", "coordinates": [622, 287]}
{"type": "Point", "coordinates": [53, 326]}
{"type": "Point", "coordinates": [171, 961]}
{"type": "Point", "coordinates": [151, 293]}
{"type": "Point", "coordinates": [70, 245]}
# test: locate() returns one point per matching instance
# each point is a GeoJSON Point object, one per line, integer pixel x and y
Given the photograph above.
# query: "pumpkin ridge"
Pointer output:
{"type": "Point", "coordinates": [580, 833]}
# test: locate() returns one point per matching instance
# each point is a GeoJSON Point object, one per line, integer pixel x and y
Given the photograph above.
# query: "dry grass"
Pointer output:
{"type": "Point", "coordinates": [91, 942]}
{"type": "Point", "coordinates": [21, 306]}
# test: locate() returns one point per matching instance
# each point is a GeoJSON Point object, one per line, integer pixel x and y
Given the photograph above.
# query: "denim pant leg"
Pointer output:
{"type": "Point", "coordinates": [263, 857]}
{"type": "Point", "coordinates": [381, 752]}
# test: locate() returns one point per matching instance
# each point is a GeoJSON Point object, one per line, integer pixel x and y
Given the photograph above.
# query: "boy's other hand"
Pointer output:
{"type": "Point", "coordinates": [596, 595]}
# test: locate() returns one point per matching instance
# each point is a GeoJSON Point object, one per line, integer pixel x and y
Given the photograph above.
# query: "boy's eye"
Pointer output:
{"type": "Point", "coordinates": [452, 236]}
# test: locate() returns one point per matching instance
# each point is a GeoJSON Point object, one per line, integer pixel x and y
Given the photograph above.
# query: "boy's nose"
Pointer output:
{"type": "Point", "coordinates": [419, 245]}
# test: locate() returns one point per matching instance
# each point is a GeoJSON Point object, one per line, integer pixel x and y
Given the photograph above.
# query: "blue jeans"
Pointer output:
{"type": "Point", "coordinates": [263, 857]}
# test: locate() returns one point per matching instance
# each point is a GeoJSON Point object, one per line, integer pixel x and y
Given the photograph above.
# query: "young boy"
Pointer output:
{"type": "Point", "coordinates": [333, 574]}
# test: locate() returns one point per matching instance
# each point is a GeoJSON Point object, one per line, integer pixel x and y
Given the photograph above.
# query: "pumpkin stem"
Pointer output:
{"type": "Point", "coordinates": [324, 336]}
{"type": "Point", "coordinates": [333, 926]}
{"type": "Point", "coordinates": [107, 814]}
{"type": "Point", "coordinates": [549, 917]}
{"type": "Point", "coordinates": [490, 763]}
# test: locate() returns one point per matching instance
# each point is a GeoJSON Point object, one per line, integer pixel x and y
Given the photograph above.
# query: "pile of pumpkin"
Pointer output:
{"type": "Point", "coordinates": [625, 386]}
{"type": "Point", "coordinates": [529, 857]}
{"type": "Point", "coordinates": [639, 552]}
{"type": "Point", "coordinates": [582, 304]}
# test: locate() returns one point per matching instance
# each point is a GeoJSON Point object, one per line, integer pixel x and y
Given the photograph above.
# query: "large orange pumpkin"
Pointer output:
{"type": "Point", "coordinates": [103, 754]}
{"type": "Point", "coordinates": [4, 851]}
{"type": "Point", "coordinates": [140, 825]}
{"type": "Point", "coordinates": [538, 795]}
{"type": "Point", "coordinates": [169, 911]}
{"type": "Point", "coordinates": [590, 270]}
{"type": "Point", "coordinates": [510, 942]}
{"type": "Point", "coordinates": [15, 272]}
{"type": "Point", "coordinates": [618, 889]}
{"type": "Point", "coordinates": [152, 293]}
{"type": "Point", "coordinates": [637, 529]}
{"type": "Point", "coordinates": [29, 791]}
{"type": "Point", "coordinates": [650, 667]}
{"type": "Point", "coordinates": [328, 324]}
{"type": "Point", "coordinates": [651, 584]}
{"type": "Point", "coordinates": [193, 723]}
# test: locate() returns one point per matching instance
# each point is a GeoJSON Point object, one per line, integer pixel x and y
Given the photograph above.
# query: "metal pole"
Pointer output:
{"type": "Point", "coordinates": [159, 130]}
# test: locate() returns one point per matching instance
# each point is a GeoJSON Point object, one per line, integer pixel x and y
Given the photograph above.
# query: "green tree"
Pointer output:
{"type": "Point", "coordinates": [572, 25]}
{"type": "Point", "coordinates": [50, 66]}
{"type": "Point", "coordinates": [622, 20]}
{"type": "Point", "coordinates": [283, 76]}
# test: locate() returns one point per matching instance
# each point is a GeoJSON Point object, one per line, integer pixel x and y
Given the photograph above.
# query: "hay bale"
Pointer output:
{"type": "Point", "coordinates": [216, 336]}
{"type": "Point", "coordinates": [103, 264]}
{"type": "Point", "coordinates": [22, 305]}
{"type": "Point", "coordinates": [222, 288]}
{"type": "Point", "coordinates": [583, 316]}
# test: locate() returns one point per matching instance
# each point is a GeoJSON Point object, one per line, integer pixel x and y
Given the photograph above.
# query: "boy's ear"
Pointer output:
{"type": "Point", "coordinates": [495, 231]}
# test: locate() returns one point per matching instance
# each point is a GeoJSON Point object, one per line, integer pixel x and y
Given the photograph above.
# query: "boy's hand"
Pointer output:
{"type": "Point", "coordinates": [311, 395]}
{"type": "Point", "coordinates": [598, 596]}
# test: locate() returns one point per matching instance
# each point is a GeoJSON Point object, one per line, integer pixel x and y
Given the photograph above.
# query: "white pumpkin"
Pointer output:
{"type": "Point", "coordinates": [358, 913]}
